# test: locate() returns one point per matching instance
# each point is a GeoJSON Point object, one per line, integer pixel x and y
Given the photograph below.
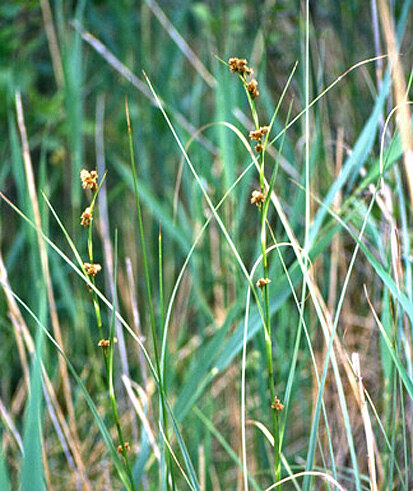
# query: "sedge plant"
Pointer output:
{"type": "Point", "coordinates": [89, 180]}
{"type": "Point", "coordinates": [260, 197]}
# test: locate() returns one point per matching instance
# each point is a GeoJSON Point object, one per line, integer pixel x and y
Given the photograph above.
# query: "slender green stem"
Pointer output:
{"type": "Point", "coordinates": [92, 279]}
{"type": "Point", "coordinates": [108, 354]}
{"type": "Point", "coordinates": [266, 295]}
{"type": "Point", "coordinates": [109, 366]}
{"type": "Point", "coordinates": [268, 339]}
{"type": "Point", "coordinates": [90, 253]}
{"type": "Point", "coordinates": [148, 289]}
{"type": "Point", "coordinates": [162, 320]}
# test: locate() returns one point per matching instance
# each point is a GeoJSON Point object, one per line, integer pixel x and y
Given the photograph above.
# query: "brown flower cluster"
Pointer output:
{"type": "Point", "coordinates": [126, 445]}
{"type": "Point", "coordinates": [262, 282]}
{"type": "Point", "coordinates": [89, 179]}
{"type": "Point", "coordinates": [252, 88]}
{"type": "Point", "coordinates": [86, 217]}
{"type": "Point", "coordinates": [92, 269]}
{"type": "Point", "coordinates": [277, 405]}
{"type": "Point", "coordinates": [257, 197]}
{"type": "Point", "coordinates": [104, 343]}
{"type": "Point", "coordinates": [239, 65]}
{"type": "Point", "coordinates": [258, 134]}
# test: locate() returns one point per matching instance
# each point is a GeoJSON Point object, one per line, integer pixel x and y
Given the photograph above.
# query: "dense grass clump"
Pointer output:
{"type": "Point", "coordinates": [205, 259]}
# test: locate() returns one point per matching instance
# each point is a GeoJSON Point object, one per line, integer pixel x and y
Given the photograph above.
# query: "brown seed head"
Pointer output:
{"type": "Point", "coordinates": [257, 197]}
{"type": "Point", "coordinates": [92, 269]}
{"type": "Point", "coordinates": [89, 179]}
{"type": "Point", "coordinates": [104, 343]}
{"type": "Point", "coordinates": [252, 88]}
{"type": "Point", "coordinates": [255, 135]}
{"type": "Point", "coordinates": [239, 65]}
{"type": "Point", "coordinates": [126, 445]}
{"type": "Point", "coordinates": [277, 405]}
{"type": "Point", "coordinates": [86, 217]}
{"type": "Point", "coordinates": [262, 282]}
{"type": "Point", "coordinates": [258, 134]}
{"type": "Point", "coordinates": [258, 148]}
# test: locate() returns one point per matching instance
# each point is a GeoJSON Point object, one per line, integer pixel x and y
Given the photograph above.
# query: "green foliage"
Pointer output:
{"type": "Point", "coordinates": [195, 337]}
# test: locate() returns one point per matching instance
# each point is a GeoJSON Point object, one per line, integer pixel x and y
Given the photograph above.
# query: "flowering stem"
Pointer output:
{"type": "Point", "coordinates": [108, 353]}
{"type": "Point", "coordinates": [267, 328]}
{"type": "Point", "coordinates": [109, 368]}
{"type": "Point", "coordinates": [92, 279]}
{"type": "Point", "coordinates": [266, 296]}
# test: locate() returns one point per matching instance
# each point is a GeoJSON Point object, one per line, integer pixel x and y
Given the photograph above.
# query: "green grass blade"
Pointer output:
{"type": "Point", "coordinates": [227, 447]}
{"type": "Point", "coordinates": [102, 427]}
{"type": "Point", "coordinates": [32, 471]}
{"type": "Point", "coordinates": [356, 160]}
{"type": "Point", "coordinates": [131, 332]}
{"type": "Point", "coordinates": [401, 298]}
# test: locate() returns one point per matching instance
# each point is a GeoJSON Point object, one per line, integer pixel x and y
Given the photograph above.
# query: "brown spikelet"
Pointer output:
{"type": "Point", "coordinates": [92, 269]}
{"type": "Point", "coordinates": [86, 217]}
{"type": "Point", "coordinates": [262, 282]}
{"type": "Point", "coordinates": [239, 65]}
{"type": "Point", "coordinates": [258, 134]}
{"type": "Point", "coordinates": [252, 88]}
{"type": "Point", "coordinates": [89, 179]}
{"type": "Point", "coordinates": [277, 405]}
{"type": "Point", "coordinates": [257, 197]}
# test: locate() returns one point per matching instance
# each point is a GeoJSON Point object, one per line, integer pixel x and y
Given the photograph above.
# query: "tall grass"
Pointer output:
{"type": "Point", "coordinates": [250, 321]}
